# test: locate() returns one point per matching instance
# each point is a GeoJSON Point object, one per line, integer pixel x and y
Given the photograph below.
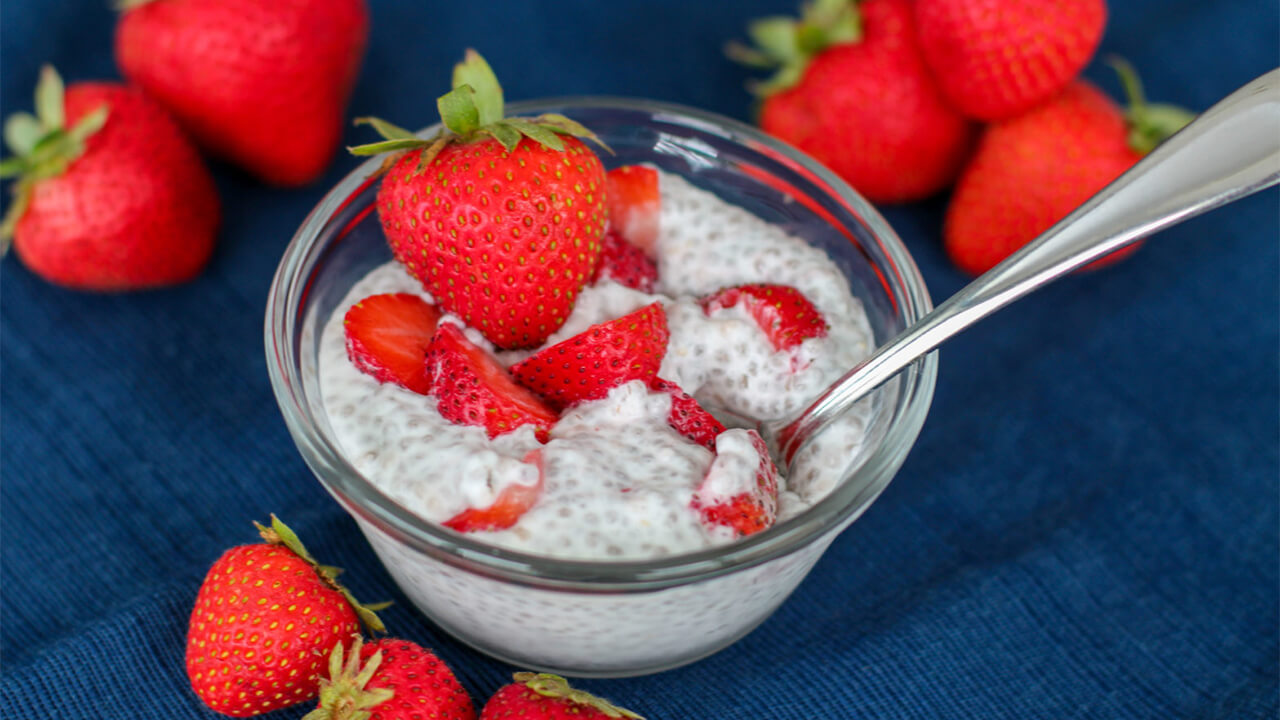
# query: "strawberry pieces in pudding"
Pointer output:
{"type": "Point", "coordinates": [588, 365]}
{"type": "Point", "coordinates": [514, 501]}
{"type": "Point", "coordinates": [784, 314]}
{"type": "Point", "coordinates": [723, 500]}
{"type": "Point", "coordinates": [634, 203]}
{"type": "Point", "coordinates": [688, 417]}
{"type": "Point", "coordinates": [474, 389]}
{"type": "Point", "coordinates": [625, 264]}
{"type": "Point", "coordinates": [387, 337]}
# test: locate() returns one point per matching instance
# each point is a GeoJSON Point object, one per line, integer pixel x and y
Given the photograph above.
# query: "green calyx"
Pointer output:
{"type": "Point", "coordinates": [787, 45]}
{"type": "Point", "coordinates": [127, 5]}
{"type": "Point", "coordinates": [554, 686]}
{"type": "Point", "coordinates": [281, 534]}
{"type": "Point", "coordinates": [471, 111]}
{"type": "Point", "coordinates": [1149, 123]}
{"type": "Point", "coordinates": [344, 695]}
{"type": "Point", "coordinates": [42, 145]}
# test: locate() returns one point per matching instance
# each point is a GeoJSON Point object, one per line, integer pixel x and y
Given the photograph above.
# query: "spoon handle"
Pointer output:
{"type": "Point", "coordinates": [1229, 151]}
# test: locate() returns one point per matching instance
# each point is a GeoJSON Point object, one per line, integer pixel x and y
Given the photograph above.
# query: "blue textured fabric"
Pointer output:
{"type": "Point", "coordinates": [1087, 528]}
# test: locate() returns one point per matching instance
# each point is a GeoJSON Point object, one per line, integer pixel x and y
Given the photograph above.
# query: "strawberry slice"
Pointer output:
{"type": "Point", "coordinates": [784, 314]}
{"type": "Point", "coordinates": [388, 335]}
{"type": "Point", "coordinates": [474, 389]}
{"type": "Point", "coordinates": [740, 490]}
{"type": "Point", "coordinates": [626, 264]}
{"type": "Point", "coordinates": [507, 508]}
{"type": "Point", "coordinates": [604, 356]}
{"type": "Point", "coordinates": [687, 416]}
{"type": "Point", "coordinates": [632, 191]}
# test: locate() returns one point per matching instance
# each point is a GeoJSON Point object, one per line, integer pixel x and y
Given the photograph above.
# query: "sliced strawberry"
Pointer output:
{"type": "Point", "coordinates": [388, 335]}
{"type": "Point", "coordinates": [784, 314]}
{"type": "Point", "coordinates": [589, 364]}
{"type": "Point", "coordinates": [687, 416]}
{"type": "Point", "coordinates": [634, 203]}
{"type": "Point", "coordinates": [726, 497]}
{"type": "Point", "coordinates": [507, 508]}
{"type": "Point", "coordinates": [474, 389]}
{"type": "Point", "coordinates": [624, 263]}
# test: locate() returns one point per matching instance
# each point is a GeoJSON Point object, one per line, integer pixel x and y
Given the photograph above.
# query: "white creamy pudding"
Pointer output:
{"type": "Point", "coordinates": [617, 481]}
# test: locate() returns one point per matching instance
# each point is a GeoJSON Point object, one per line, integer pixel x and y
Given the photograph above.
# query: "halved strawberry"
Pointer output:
{"type": "Point", "coordinates": [474, 389]}
{"type": "Point", "coordinates": [784, 314]}
{"type": "Point", "coordinates": [388, 335]}
{"type": "Point", "coordinates": [624, 263]}
{"type": "Point", "coordinates": [632, 191]}
{"type": "Point", "coordinates": [507, 508]}
{"type": "Point", "coordinates": [588, 365]}
{"type": "Point", "coordinates": [725, 499]}
{"type": "Point", "coordinates": [687, 416]}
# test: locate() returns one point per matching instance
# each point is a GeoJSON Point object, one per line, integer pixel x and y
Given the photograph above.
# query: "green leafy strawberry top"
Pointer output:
{"type": "Point", "coordinates": [42, 145]}
{"type": "Point", "coordinates": [471, 111]}
{"type": "Point", "coordinates": [554, 686]}
{"type": "Point", "coordinates": [1149, 123]}
{"type": "Point", "coordinates": [787, 45]}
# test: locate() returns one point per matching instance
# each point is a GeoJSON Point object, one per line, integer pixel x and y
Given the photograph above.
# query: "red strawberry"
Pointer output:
{"type": "Point", "coordinates": [784, 314]}
{"type": "Point", "coordinates": [390, 679]}
{"type": "Point", "coordinates": [721, 501]}
{"type": "Point", "coordinates": [110, 195]}
{"type": "Point", "coordinates": [590, 364]}
{"type": "Point", "coordinates": [687, 416]}
{"type": "Point", "coordinates": [511, 503]}
{"type": "Point", "coordinates": [548, 697]}
{"type": "Point", "coordinates": [265, 618]}
{"type": "Point", "coordinates": [500, 219]}
{"type": "Point", "coordinates": [854, 92]}
{"type": "Point", "coordinates": [626, 264]}
{"type": "Point", "coordinates": [388, 335]}
{"type": "Point", "coordinates": [996, 58]}
{"type": "Point", "coordinates": [474, 389]}
{"type": "Point", "coordinates": [634, 203]}
{"type": "Point", "coordinates": [263, 83]}
{"type": "Point", "coordinates": [1031, 171]}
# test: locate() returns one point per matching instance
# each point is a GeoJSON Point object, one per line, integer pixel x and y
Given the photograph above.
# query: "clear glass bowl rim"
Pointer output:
{"type": "Point", "coordinates": [359, 496]}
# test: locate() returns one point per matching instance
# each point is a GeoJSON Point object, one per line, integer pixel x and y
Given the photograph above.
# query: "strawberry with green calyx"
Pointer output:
{"type": "Point", "coordinates": [398, 680]}
{"type": "Point", "coordinates": [1030, 171]}
{"type": "Point", "coordinates": [109, 195]}
{"type": "Point", "coordinates": [264, 618]}
{"type": "Point", "coordinates": [501, 219]}
{"type": "Point", "coordinates": [852, 90]}
{"type": "Point", "coordinates": [542, 696]}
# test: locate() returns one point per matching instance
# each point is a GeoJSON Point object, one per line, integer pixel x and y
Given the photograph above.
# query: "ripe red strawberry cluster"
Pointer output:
{"type": "Point", "coordinates": [111, 193]}
{"type": "Point", "coordinates": [904, 98]}
{"type": "Point", "coordinates": [272, 628]}
{"type": "Point", "coordinates": [504, 221]}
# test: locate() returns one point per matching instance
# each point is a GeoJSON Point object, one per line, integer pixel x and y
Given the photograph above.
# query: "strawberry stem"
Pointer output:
{"type": "Point", "coordinates": [343, 695]}
{"type": "Point", "coordinates": [788, 45]}
{"type": "Point", "coordinates": [1149, 124]}
{"type": "Point", "coordinates": [554, 686]}
{"type": "Point", "coordinates": [471, 110]}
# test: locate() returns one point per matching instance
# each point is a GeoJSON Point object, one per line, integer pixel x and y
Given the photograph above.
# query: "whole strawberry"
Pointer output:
{"type": "Point", "coordinates": [262, 83]}
{"type": "Point", "coordinates": [1031, 171]}
{"type": "Point", "coordinates": [265, 619]}
{"type": "Point", "coordinates": [501, 219]}
{"type": "Point", "coordinates": [548, 697]}
{"type": "Point", "coordinates": [996, 58]}
{"type": "Point", "coordinates": [109, 194]}
{"type": "Point", "coordinates": [853, 91]}
{"type": "Point", "coordinates": [390, 679]}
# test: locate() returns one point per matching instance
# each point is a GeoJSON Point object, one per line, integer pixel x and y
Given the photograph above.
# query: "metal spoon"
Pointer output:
{"type": "Point", "coordinates": [1230, 151]}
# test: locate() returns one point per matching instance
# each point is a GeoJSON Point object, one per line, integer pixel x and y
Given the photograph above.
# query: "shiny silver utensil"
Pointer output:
{"type": "Point", "coordinates": [1228, 152]}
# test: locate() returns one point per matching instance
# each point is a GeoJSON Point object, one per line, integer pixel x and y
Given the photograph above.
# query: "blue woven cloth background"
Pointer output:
{"type": "Point", "coordinates": [1087, 528]}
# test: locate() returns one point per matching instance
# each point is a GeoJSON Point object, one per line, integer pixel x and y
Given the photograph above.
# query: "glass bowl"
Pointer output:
{"type": "Point", "coordinates": [597, 618]}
